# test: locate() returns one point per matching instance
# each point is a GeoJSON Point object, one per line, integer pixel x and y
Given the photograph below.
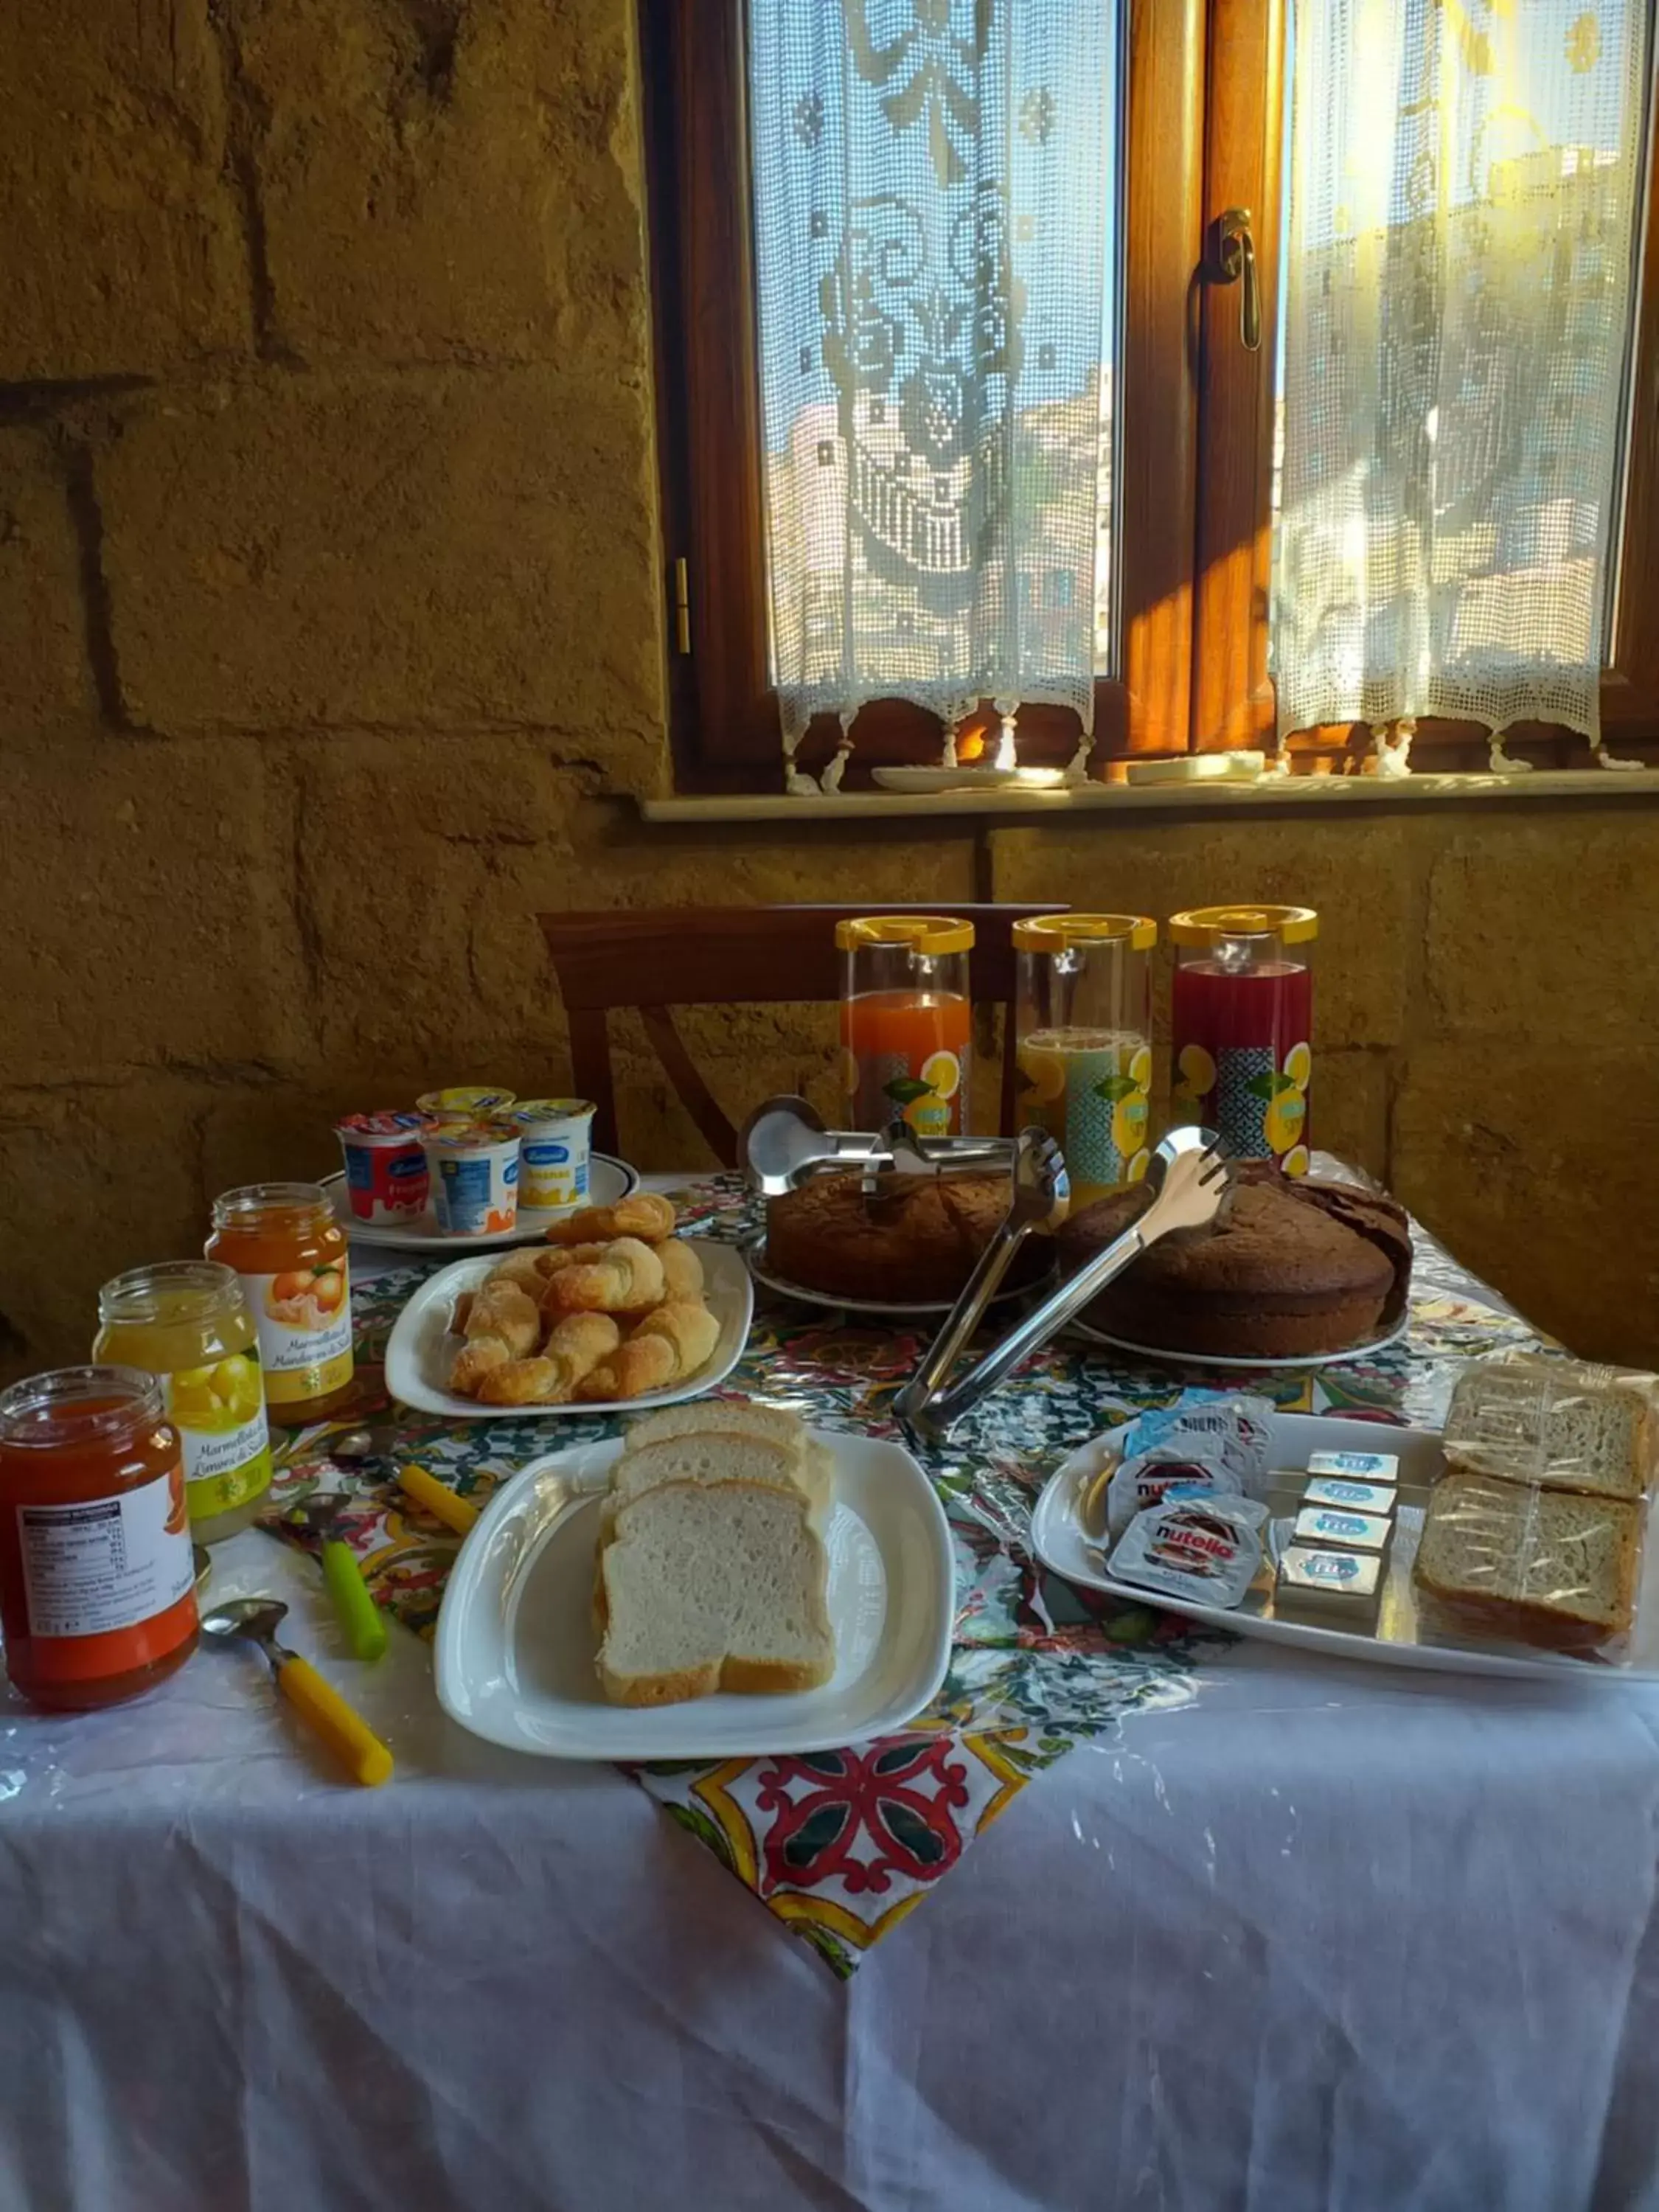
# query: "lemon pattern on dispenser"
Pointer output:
{"type": "Point", "coordinates": [1088, 1089]}
{"type": "Point", "coordinates": [1262, 1111]}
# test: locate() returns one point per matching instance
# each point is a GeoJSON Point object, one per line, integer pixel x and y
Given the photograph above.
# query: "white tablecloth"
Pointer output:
{"type": "Point", "coordinates": [1322, 1936]}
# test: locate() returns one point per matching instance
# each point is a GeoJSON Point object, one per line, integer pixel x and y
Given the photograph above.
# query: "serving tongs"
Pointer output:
{"type": "Point", "coordinates": [1190, 1179]}
{"type": "Point", "coordinates": [784, 1143]}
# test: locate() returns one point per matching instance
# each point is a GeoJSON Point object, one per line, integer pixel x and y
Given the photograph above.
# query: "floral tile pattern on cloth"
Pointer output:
{"type": "Point", "coordinates": [842, 1845]}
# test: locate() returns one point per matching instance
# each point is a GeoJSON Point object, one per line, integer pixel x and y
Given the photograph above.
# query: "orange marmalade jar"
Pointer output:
{"type": "Point", "coordinates": [97, 1586]}
{"type": "Point", "coordinates": [284, 1241]}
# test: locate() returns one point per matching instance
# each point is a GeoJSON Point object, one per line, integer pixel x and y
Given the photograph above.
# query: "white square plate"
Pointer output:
{"type": "Point", "coordinates": [516, 1639]}
{"type": "Point", "coordinates": [420, 1349]}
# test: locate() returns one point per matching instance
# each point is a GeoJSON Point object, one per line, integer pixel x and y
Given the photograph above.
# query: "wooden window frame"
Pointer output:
{"type": "Point", "coordinates": [1193, 429]}
{"type": "Point", "coordinates": [1233, 696]}
{"type": "Point", "coordinates": [723, 712]}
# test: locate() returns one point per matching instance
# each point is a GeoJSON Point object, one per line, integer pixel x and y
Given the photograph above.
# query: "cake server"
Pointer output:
{"type": "Point", "coordinates": [1041, 1191]}
{"type": "Point", "coordinates": [784, 1143]}
{"type": "Point", "coordinates": [1191, 1181]}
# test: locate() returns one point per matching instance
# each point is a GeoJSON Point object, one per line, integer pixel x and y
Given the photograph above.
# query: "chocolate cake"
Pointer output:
{"type": "Point", "coordinates": [1294, 1268]}
{"type": "Point", "coordinates": [918, 1246]}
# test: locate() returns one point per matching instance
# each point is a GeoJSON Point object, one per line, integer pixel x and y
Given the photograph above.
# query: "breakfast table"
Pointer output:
{"type": "Point", "coordinates": [1139, 1918]}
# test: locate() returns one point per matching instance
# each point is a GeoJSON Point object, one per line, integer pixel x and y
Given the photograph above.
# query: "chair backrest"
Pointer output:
{"type": "Point", "coordinates": [655, 958]}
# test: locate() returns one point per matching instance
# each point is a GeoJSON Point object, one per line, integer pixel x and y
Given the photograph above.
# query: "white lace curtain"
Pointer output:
{"type": "Point", "coordinates": [1465, 185]}
{"type": "Point", "coordinates": [932, 213]}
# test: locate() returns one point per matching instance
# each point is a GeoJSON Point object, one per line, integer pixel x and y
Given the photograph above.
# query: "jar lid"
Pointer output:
{"type": "Point", "coordinates": [1201, 925]}
{"type": "Point", "coordinates": [929, 934]}
{"type": "Point", "coordinates": [1053, 933]}
{"type": "Point", "coordinates": [254, 1199]}
{"type": "Point", "coordinates": [73, 1405]}
{"type": "Point", "coordinates": [171, 1291]}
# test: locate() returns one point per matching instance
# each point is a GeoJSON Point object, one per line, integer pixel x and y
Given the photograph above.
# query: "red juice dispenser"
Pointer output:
{"type": "Point", "coordinates": [1243, 1021]}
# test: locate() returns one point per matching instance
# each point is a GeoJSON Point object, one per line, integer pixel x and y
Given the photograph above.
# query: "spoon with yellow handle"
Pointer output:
{"type": "Point", "coordinates": [440, 1501]}
{"type": "Point", "coordinates": [318, 1704]}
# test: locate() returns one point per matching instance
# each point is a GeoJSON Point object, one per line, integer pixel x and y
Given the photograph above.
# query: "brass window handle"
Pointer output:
{"type": "Point", "coordinates": [1235, 257]}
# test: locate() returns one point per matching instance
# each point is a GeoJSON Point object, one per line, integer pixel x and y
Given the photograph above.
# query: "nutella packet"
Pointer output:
{"type": "Point", "coordinates": [1204, 1549]}
{"type": "Point", "coordinates": [1206, 1443]}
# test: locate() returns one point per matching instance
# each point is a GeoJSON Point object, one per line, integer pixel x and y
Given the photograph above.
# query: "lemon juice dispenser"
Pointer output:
{"type": "Point", "coordinates": [1084, 1041]}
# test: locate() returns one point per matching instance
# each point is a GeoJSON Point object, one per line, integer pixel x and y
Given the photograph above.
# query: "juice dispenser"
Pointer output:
{"type": "Point", "coordinates": [905, 1022]}
{"type": "Point", "coordinates": [1242, 1021]}
{"type": "Point", "coordinates": [1084, 1041]}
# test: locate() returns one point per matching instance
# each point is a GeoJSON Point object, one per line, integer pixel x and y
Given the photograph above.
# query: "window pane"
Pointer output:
{"type": "Point", "coordinates": [936, 193]}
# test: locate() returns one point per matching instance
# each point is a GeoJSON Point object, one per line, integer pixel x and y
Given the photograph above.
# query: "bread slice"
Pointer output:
{"type": "Point", "coordinates": [712, 1587]}
{"type": "Point", "coordinates": [724, 1455]}
{"type": "Point", "coordinates": [1549, 1566]}
{"type": "Point", "coordinates": [740, 1415]}
{"type": "Point", "coordinates": [1553, 1422]}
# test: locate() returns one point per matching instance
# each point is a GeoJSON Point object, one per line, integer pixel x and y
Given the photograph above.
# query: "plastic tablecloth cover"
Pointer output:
{"type": "Point", "coordinates": [1282, 1934]}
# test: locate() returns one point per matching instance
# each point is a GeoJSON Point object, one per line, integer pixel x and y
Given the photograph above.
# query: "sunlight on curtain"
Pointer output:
{"type": "Point", "coordinates": [933, 244]}
{"type": "Point", "coordinates": [1465, 187]}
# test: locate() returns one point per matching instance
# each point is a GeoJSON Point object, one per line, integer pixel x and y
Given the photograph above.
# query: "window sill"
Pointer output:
{"type": "Point", "coordinates": [1281, 793]}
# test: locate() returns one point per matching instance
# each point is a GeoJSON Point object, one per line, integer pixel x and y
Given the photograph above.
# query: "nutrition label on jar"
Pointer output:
{"type": "Point", "coordinates": [107, 1563]}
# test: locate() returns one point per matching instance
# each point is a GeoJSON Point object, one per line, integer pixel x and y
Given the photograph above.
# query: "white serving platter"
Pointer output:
{"type": "Point", "coordinates": [421, 1348]}
{"type": "Point", "coordinates": [1161, 1357]}
{"type": "Point", "coordinates": [516, 1640]}
{"type": "Point", "coordinates": [881, 1309]}
{"type": "Point", "coordinates": [1399, 1640]}
{"type": "Point", "coordinates": [608, 1181]}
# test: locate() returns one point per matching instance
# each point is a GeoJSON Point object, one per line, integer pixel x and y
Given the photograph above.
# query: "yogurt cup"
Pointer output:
{"type": "Point", "coordinates": [467, 1102]}
{"type": "Point", "coordinates": [385, 1170]}
{"type": "Point", "coordinates": [475, 1178]}
{"type": "Point", "coordinates": [553, 1160]}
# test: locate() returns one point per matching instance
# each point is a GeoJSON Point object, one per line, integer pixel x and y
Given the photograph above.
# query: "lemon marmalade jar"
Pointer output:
{"type": "Point", "coordinates": [284, 1241]}
{"type": "Point", "coordinates": [97, 1584]}
{"type": "Point", "coordinates": [187, 1322]}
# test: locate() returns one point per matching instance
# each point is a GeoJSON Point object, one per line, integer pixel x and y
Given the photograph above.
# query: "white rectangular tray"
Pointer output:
{"type": "Point", "coordinates": [515, 1657]}
{"type": "Point", "coordinates": [1059, 1538]}
{"type": "Point", "coordinates": [420, 1349]}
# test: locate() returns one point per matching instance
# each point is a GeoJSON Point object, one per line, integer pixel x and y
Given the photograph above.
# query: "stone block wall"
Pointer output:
{"type": "Point", "coordinates": [331, 651]}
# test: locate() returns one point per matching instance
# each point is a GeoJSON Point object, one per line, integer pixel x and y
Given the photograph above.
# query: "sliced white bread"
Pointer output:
{"type": "Point", "coordinates": [1549, 1566]}
{"type": "Point", "coordinates": [1551, 1422]}
{"type": "Point", "coordinates": [725, 1455]}
{"type": "Point", "coordinates": [774, 1423]}
{"type": "Point", "coordinates": [713, 1586]}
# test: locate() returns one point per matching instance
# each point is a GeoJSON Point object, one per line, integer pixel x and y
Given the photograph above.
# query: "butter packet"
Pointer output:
{"type": "Point", "coordinates": [1204, 1549]}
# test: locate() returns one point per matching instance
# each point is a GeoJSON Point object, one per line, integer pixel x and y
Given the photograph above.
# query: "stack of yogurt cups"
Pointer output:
{"type": "Point", "coordinates": [475, 1154]}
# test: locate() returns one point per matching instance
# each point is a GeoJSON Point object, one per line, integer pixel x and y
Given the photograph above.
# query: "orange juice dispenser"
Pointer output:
{"type": "Point", "coordinates": [1083, 1015]}
{"type": "Point", "coordinates": [905, 1022]}
{"type": "Point", "coordinates": [1242, 1016]}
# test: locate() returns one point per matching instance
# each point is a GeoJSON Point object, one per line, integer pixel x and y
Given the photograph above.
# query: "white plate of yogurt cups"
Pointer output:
{"type": "Point", "coordinates": [608, 1180]}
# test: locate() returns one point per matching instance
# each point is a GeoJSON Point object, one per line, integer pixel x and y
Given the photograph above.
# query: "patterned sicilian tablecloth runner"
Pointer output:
{"type": "Point", "coordinates": [842, 1844]}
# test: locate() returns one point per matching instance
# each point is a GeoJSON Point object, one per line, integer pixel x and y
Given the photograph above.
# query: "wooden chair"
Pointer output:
{"type": "Point", "coordinates": [655, 958]}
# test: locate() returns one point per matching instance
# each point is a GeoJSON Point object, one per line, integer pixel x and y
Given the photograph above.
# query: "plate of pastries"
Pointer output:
{"type": "Point", "coordinates": [611, 1311]}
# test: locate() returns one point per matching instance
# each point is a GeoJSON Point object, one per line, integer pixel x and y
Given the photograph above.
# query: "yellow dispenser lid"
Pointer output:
{"type": "Point", "coordinates": [929, 934]}
{"type": "Point", "coordinates": [1200, 924]}
{"type": "Point", "coordinates": [1053, 933]}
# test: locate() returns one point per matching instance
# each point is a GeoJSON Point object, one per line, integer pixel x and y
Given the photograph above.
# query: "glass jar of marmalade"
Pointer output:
{"type": "Point", "coordinates": [284, 1241]}
{"type": "Point", "coordinates": [97, 1585]}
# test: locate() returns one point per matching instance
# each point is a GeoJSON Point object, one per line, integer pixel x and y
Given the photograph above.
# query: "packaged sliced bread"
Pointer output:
{"type": "Point", "coordinates": [713, 1586]}
{"type": "Point", "coordinates": [1560, 1424]}
{"type": "Point", "coordinates": [1522, 1560]}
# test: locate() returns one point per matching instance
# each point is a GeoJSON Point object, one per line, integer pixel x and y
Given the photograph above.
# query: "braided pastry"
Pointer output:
{"type": "Point", "coordinates": [627, 1278]}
